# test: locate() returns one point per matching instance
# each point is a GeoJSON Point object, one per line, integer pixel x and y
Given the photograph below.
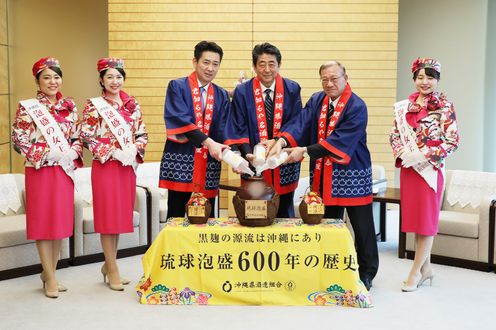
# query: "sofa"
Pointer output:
{"type": "Point", "coordinates": [85, 244]}
{"type": "Point", "coordinates": [464, 238]}
{"type": "Point", "coordinates": [148, 178]}
{"type": "Point", "coordinates": [18, 255]}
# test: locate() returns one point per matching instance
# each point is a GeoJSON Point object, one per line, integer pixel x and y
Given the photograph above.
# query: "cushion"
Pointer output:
{"type": "Point", "coordinates": [89, 226]}
{"type": "Point", "coordinates": [82, 181]}
{"type": "Point", "coordinates": [13, 230]}
{"type": "Point", "coordinates": [378, 172]}
{"type": "Point", "coordinates": [469, 187]}
{"type": "Point", "coordinates": [12, 194]}
{"type": "Point", "coordinates": [163, 210]}
{"type": "Point", "coordinates": [148, 174]}
{"type": "Point", "coordinates": [20, 211]}
{"type": "Point", "coordinates": [458, 208]}
{"type": "Point", "coordinates": [459, 224]}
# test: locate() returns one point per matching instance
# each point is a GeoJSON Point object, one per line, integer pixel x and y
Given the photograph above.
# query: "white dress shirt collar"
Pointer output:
{"type": "Point", "coordinates": [272, 88]}
{"type": "Point", "coordinates": [206, 86]}
{"type": "Point", "coordinates": [335, 102]}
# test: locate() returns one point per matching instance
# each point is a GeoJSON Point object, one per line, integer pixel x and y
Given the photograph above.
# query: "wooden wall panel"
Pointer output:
{"type": "Point", "coordinates": [362, 35]}
{"type": "Point", "coordinates": [156, 38]}
{"type": "Point", "coordinates": [4, 92]}
{"type": "Point", "coordinates": [4, 70]}
{"type": "Point", "coordinates": [4, 119]}
{"type": "Point", "coordinates": [5, 158]}
{"type": "Point", "coordinates": [3, 22]}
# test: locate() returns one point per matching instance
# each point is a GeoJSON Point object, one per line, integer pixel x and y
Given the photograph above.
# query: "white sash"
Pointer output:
{"type": "Point", "coordinates": [409, 141]}
{"type": "Point", "coordinates": [116, 123]}
{"type": "Point", "coordinates": [49, 129]}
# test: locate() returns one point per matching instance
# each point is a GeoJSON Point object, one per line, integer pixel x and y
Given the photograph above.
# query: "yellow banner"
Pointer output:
{"type": "Point", "coordinates": [224, 263]}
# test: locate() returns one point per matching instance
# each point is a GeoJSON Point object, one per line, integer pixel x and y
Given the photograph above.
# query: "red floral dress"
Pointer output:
{"type": "Point", "coordinates": [113, 185]}
{"type": "Point", "coordinates": [30, 142]}
{"type": "Point", "coordinates": [49, 191]}
{"type": "Point", "coordinates": [98, 137]}
{"type": "Point", "coordinates": [436, 134]}
{"type": "Point", "coordinates": [435, 127]}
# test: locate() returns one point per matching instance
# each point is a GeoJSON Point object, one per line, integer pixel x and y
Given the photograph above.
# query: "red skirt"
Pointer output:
{"type": "Point", "coordinates": [49, 203]}
{"type": "Point", "coordinates": [420, 205]}
{"type": "Point", "coordinates": [114, 191]}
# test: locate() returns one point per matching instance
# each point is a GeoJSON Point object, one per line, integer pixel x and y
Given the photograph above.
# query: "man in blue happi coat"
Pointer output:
{"type": "Point", "coordinates": [261, 106]}
{"type": "Point", "coordinates": [332, 126]}
{"type": "Point", "coordinates": [195, 114]}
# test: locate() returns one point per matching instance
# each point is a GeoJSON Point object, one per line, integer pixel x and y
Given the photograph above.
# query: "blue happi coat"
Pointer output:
{"type": "Point", "coordinates": [176, 167]}
{"type": "Point", "coordinates": [242, 127]}
{"type": "Point", "coordinates": [348, 181]}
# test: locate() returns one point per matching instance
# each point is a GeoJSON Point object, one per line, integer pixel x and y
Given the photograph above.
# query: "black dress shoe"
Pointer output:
{"type": "Point", "coordinates": [367, 281]}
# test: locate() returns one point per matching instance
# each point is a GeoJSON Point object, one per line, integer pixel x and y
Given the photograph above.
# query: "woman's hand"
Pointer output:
{"type": "Point", "coordinates": [410, 158]}
{"type": "Point", "coordinates": [120, 155]}
{"type": "Point", "coordinates": [55, 155]}
{"type": "Point", "coordinates": [67, 160]}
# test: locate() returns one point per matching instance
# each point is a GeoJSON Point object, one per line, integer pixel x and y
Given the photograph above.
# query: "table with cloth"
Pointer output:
{"type": "Point", "coordinates": [224, 263]}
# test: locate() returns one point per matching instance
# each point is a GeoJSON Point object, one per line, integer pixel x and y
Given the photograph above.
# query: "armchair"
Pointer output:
{"type": "Point", "coordinates": [18, 255]}
{"type": "Point", "coordinates": [148, 177]}
{"type": "Point", "coordinates": [464, 238]}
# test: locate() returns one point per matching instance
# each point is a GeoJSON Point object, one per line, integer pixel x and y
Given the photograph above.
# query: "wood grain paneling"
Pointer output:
{"type": "Point", "coordinates": [4, 158]}
{"type": "Point", "coordinates": [4, 92]}
{"type": "Point", "coordinates": [156, 38]}
{"type": "Point", "coordinates": [3, 22]}
{"type": "Point", "coordinates": [4, 119]}
{"type": "Point", "coordinates": [4, 70]}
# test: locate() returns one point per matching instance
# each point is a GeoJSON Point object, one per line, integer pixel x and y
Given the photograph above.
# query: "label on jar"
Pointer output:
{"type": "Point", "coordinates": [255, 209]}
{"type": "Point", "coordinates": [196, 211]}
{"type": "Point", "coordinates": [315, 208]}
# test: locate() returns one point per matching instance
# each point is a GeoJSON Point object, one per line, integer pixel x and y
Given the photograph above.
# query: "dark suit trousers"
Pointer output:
{"type": "Point", "coordinates": [362, 221]}
{"type": "Point", "coordinates": [286, 207]}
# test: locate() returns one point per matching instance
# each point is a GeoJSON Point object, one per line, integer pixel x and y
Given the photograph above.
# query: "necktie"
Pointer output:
{"type": "Point", "coordinates": [203, 93]}
{"type": "Point", "coordinates": [269, 111]}
{"type": "Point", "coordinates": [330, 111]}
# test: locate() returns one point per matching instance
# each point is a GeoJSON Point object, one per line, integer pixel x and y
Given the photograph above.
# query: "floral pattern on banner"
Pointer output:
{"type": "Point", "coordinates": [234, 222]}
{"type": "Point", "coordinates": [229, 222]}
{"type": "Point", "coordinates": [162, 295]}
{"type": "Point", "coordinates": [30, 142]}
{"type": "Point", "coordinates": [98, 137]}
{"type": "Point", "coordinates": [336, 223]}
{"type": "Point", "coordinates": [435, 127]}
{"type": "Point", "coordinates": [337, 295]}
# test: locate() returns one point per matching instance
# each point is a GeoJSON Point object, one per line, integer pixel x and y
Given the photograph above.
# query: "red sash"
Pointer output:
{"type": "Point", "coordinates": [326, 161]}
{"type": "Point", "coordinates": [262, 121]}
{"type": "Point", "coordinates": [203, 122]}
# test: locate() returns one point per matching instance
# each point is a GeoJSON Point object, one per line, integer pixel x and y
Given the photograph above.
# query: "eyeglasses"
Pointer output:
{"type": "Point", "coordinates": [333, 80]}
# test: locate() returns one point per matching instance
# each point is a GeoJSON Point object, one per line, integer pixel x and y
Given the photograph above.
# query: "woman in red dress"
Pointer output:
{"type": "Point", "coordinates": [46, 132]}
{"type": "Point", "coordinates": [425, 132]}
{"type": "Point", "coordinates": [114, 132]}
